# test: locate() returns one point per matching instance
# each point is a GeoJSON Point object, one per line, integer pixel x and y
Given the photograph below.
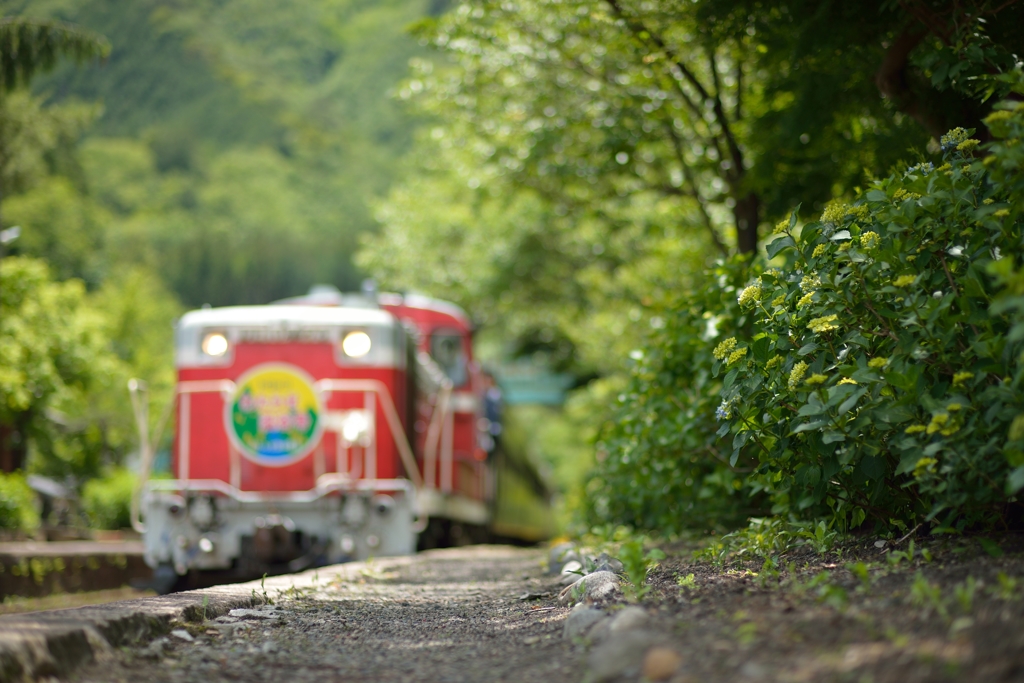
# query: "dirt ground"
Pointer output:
{"type": "Point", "coordinates": [952, 610]}
{"type": "Point", "coordinates": [449, 615]}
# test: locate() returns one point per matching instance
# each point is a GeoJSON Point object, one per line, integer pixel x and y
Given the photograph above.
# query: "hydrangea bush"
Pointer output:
{"type": "Point", "coordinates": [868, 367]}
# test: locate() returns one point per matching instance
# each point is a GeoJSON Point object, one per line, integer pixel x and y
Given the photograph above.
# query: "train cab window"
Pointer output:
{"type": "Point", "coordinates": [448, 352]}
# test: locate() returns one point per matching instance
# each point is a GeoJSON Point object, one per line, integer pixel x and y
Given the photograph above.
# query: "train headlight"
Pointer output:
{"type": "Point", "coordinates": [356, 344]}
{"type": "Point", "coordinates": [355, 427]}
{"type": "Point", "coordinates": [215, 344]}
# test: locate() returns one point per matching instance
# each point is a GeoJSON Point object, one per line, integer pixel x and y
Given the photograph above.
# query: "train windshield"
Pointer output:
{"type": "Point", "coordinates": [447, 351]}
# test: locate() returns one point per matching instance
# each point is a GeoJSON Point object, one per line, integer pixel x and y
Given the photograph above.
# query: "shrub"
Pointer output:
{"type": "Point", "coordinates": [17, 504]}
{"type": "Point", "coordinates": [868, 367]}
{"type": "Point", "coordinates": [107, 501]}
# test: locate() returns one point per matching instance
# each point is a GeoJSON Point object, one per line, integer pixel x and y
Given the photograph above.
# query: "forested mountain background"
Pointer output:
{"type": "Point", "coordinates": [233, 148]}
{"type": "Point", "coordinates": [225, 152]}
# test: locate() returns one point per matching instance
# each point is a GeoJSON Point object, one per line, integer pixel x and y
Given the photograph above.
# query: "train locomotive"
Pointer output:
{"type": "Point", "coordinates": [321, 429]}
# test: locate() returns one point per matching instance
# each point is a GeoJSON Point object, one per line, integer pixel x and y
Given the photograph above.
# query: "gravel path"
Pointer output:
{"type": "Point", "coordinates": [448, 615]}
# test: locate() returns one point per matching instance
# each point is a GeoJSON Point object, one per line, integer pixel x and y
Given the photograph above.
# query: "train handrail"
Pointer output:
{"type": "Point", "coordinates": [390, 414]}
{"type": "Point", "coordinates": [432, 442]}
{"type": "Point", "coordinates": [183, 390]}
{"type": "Point", "coordinates": [138, 391]}
{"type": "Point", "coordinates": [326, 484]}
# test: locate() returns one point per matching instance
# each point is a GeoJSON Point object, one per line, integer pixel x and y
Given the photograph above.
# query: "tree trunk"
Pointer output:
{"type": "Point", "coordinates": [747, 214]}
{"type": "Point", "coordinates": [13, 446]}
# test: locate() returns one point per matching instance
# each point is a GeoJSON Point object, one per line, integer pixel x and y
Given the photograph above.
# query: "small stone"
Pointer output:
{"type": "Point", "coordinates": [571, 572]}
{"type": "Point", "coordinates": [629, 619]}
{"type": "Point", "coordinates": [533, 596]}
{"type": "Point", "coordinates": [606, 563]}
{"type": "Point", "coordinates": [269, 647]}
{"type": "Point", "coordinates": [753, 670]}
{"type": "Point", "coordinates": [594, 587]}
{"type": "Point", "coordinates": [253, 613]}
{"type": "Point", "coordinates": [531, 640]}
{"type": "Point", "coordinates": [619, 657]}
{"type": "Point", "coordinates": [879, 544]}
{"type": "Point", "coordinates": [580, 620]}
{"type": "Point", "coordinates": [226, 620]}
{"type": "Point", "coordinates": [155, 650]}
{"type": "Point", "coordinates": [183, 634]}
{"type": "Point", "coordinates": [559, 555]}
{"type": "Point", "coordinates": [660, 663]}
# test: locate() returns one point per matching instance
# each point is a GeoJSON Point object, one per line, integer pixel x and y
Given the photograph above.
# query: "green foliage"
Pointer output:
{"type": "Point", "coordinates": [637, 563]}
{"type": "Point", "coordinates": [106, 501]}
{"type": "Point", "coordinates": [240, 144]}
{"type": "Point", "coordinates": [17, 504]}
{"type": "Point", "coordinates": [926, 595]}
{"type": "Point", "coordinates": [860, 370]}
{"type": "Point", "coordinates": [66, 359]}
{"type": "Point", "coordinates": [31, 45]}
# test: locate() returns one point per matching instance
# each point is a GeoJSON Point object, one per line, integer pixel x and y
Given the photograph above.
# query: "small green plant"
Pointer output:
{"type": "Point", "coordinates": [577, 591]}
{"type": "Point", "coordinates": [895, 557]}
{"type": "Point", "coordinates": [863, 574]}
{"type": "Point", "coordinates": [964, 592]}
{"type": "Point", "coordinates": [267, 600]}
{"type": "Point", "coordinates": [688, 582]}
{"type": "Point", "coordinates": [1006, 588]}
{"type": "Point", "coordinates": [637, 564]}
{"type": "Point", "coordinates": [762, 538]}
{"type": "Point", "coordinates": [821, 538]}
{"type": "Point", "coordinates": [826, 591]}
{"type": "Point", "coordinates": [206, 602]}
{"type": "Point", "coordinates": [927, 595]}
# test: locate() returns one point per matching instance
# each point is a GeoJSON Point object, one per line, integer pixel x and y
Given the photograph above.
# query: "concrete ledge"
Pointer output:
{"type": "Point", "coordinates": [54, 643]}
{"type": "Point", "coordinates": [34, 569]}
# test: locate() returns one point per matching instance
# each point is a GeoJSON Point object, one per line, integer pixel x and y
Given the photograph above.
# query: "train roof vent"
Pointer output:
{"type": "Point", "coordinates": [329, 295]}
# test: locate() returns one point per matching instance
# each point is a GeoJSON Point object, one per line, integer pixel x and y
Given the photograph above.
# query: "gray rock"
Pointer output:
{"type": "Point", "coordinates": [606, 563]}
{"type": "Point", "coordinates": [753, 670]}
{"type": "Point", "coordinates": [571, 572]}
{"type": "Point", "coordinates": [631, 618]}
{"type": "Point", "coordinates": [183, 634]}
{"type": "Point", "coordinates": [621, 656]}
{"type": "Point", "coordinates": [596, 587]}
{"type": "Point", "coordinates": [156, 649]}
{"type": "Point", "coordinates": [559, 555]}
{"type": "Point", "coordinates": [253, 613]}
{"type": "Point", "coordinates": [581, 619]}
{"type": "Point", "coordinates": [269, 647]}
{"type": "Point", "coordinates": [628, 619]}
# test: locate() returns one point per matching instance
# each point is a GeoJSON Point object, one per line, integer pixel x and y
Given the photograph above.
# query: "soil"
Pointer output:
{"type": "Point", "coordinates": [953, 610]}
{"type": "Point", "coordinates": [904, 619]}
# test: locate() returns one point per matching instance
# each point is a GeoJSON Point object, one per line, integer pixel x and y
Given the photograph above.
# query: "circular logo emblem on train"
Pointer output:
{"type": "Point", "coordinates": [274, 418]}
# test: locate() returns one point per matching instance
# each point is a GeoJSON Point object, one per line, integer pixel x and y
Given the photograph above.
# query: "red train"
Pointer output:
{"type": "Point", "coordinates": [323, 428]}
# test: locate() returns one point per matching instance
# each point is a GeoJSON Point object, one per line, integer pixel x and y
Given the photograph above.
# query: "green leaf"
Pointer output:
{"type": "Point", "coordinates": [760, 349]}
{"type": "Point", "coordinates": [990, 547]}
{"type": "Point", "coordinates": [851, 402]}
{"type": "Point", "coordinates": [808, 426]}
{"type": "Point", "coordinates": [807, 349]}
{"type": "Point", "coordinates": [778, 244]}
{"type": "Point", "coordinates": [833, 437]}
{"type": "Point", "coordinates": [1015, 481]}
{"type": "Point", "coordinates": [872, 467]}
